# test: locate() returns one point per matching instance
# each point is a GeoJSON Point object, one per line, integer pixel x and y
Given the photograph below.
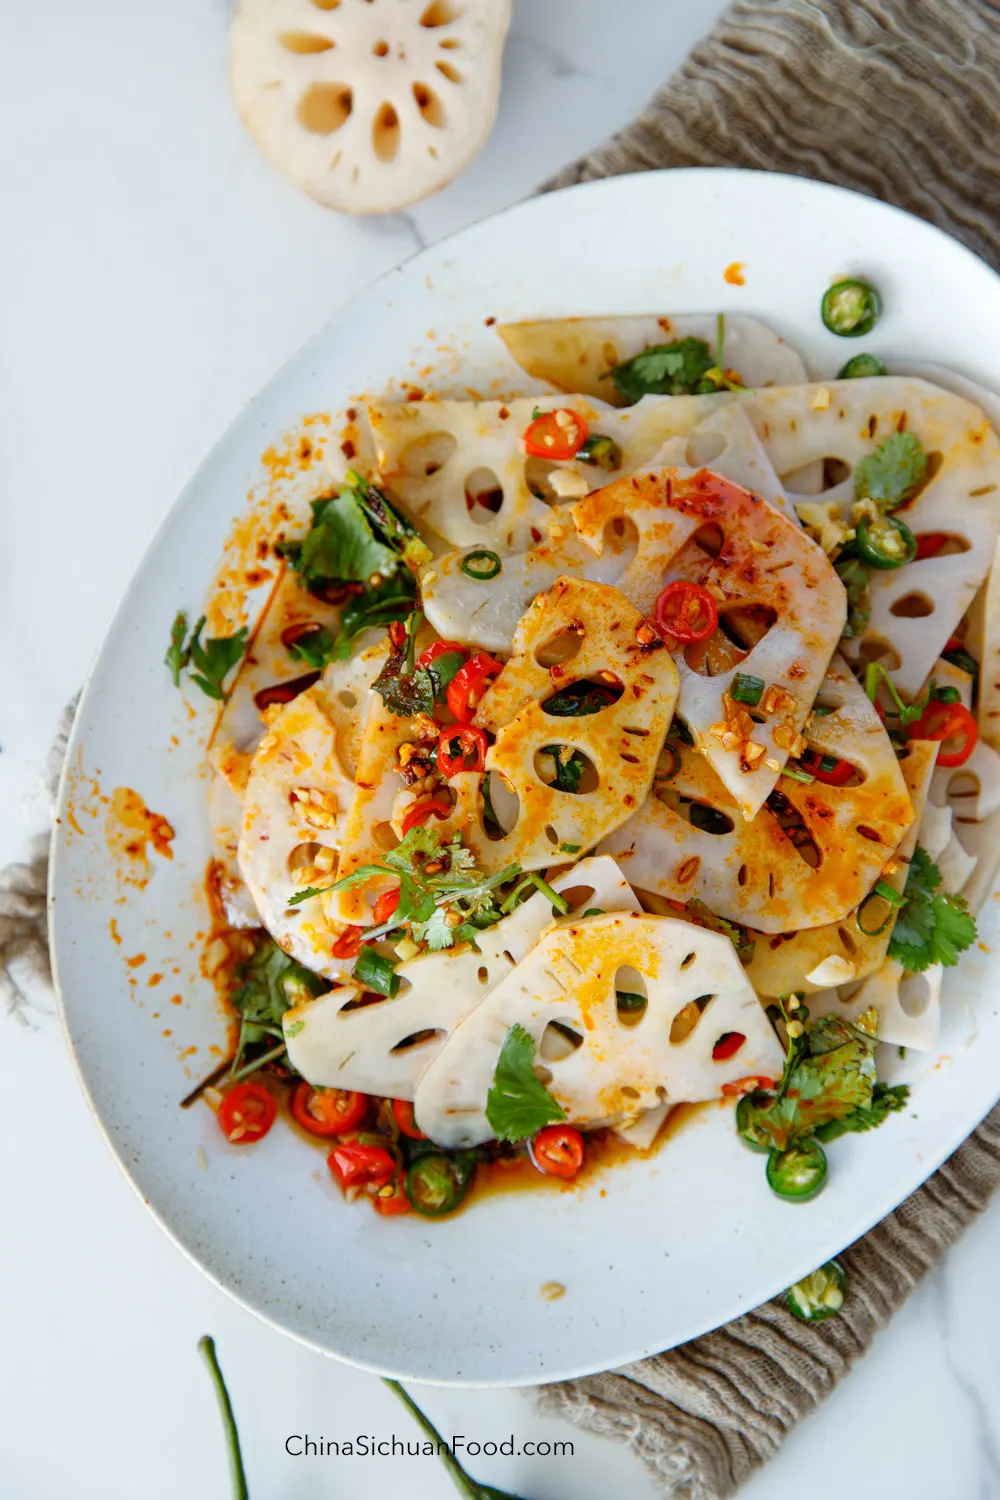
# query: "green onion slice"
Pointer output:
{"type": "Point", "coordinates": [746, 689]}
{"type": "Point", "coordinates": [861, 366]}
{"type": "Point", "coordinates": [481, 565]}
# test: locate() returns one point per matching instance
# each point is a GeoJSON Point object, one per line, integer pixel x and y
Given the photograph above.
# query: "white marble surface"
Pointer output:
{"type": "Point", "coordinates": [153, 273]}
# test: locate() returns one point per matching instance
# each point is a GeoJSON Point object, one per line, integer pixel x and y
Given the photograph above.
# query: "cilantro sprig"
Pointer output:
{"type": "Point", "coordinates": [208, 662]}
{"type": "Point", "coordinates": [406, 689]}
{"type": "Point", "coordinates": [518, 1105]}
{"type": "Point", "coordinates": [932, 927]}
{"type": "Point", "coordinates": [893, 473]}
{"type": "Point", "coordinates": [679, 368]}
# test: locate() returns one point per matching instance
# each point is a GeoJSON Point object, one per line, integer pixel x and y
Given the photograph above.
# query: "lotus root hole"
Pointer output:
{"type": "Point", "coordinates": [560, 648]}
{"type": "Point", "coordinates": [912, 607]}
{"type": "Point", "coordinates": [324, 107]}
{"type": "Point", "coordinates": [429, 105]}
{"type": "Point", "coordinates": [632, 995]}
{"type": "Point", "coordinates": [440, 13]}
{"type": "Point", "coordinates": [385, 132]}
{"type": "Point", "coordinates": [483, 495]}
{"type": "Point", "coordinates": [448, 71]}
{"type": "Point", "coordinates": [703, 448]}
{"type": "Point", "coordinates": [304, 42]}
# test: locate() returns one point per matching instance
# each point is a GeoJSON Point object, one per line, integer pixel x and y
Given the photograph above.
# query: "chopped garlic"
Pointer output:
{"type": "Point", "coordinates": [821, 400]}
{"type": "Point", "coordinates": [569, 483]}
{"type": "Point", "coordinates": [824, 523]}
{"type": "Point", "coordinates": [832, 970]}
{"type": "Point", "coordinates": [553, 1290]}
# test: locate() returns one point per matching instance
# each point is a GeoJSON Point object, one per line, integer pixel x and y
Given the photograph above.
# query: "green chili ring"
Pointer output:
{"type": "Point", "coordinates": [861, 366]}
{"type": "Point", "coordinates": [482, 565]}
{"type": "Point", "coordinates": [797, 1173]}
{"type": "Point", "coordinates": [437, 1184]}
{"type": "Point", "coordinates": [820, 1295]}
{"type": "Point", "coordinates": [602, 451]}
{"type": "Point", "coordinates": [675, 763]}
{"type": "Point", "coordinates": [850, 308]}
{"type": "Point", "coordinates": [749, 1132]}
{"type": "Point", "coordinates": [746, 688]}
{"type": "Point", "coordinates": [872, 931]}
{"type": "Point", "coordinates": [872, 544]}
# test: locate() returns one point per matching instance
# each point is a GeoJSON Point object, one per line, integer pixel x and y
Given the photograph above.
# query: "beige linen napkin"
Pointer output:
{"type": "Point", "coordinates": [899, 99]}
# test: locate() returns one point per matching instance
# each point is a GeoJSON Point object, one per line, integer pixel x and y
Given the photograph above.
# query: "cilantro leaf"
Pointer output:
{"type": "Point", "coordinates": [518, 1105]}
{"type": "Point", "coordinates": [932, 927]}
{"type": "Point", "coordinates": [313, 646]}
{"type": "Point", "coordinates": [829, 1074]}
{"type": "Point", "coordinates": [854, 576]}
{"type": "Point", "coordinates": [215, 658]}
{"type": "Point", "coordinates": [403, 538]}
{"type": "Point", "coordinates": [271, 984]}
{"type": "Point", "coordinates": [391, 599]}
{"type": "Point", "coordinates": [884, 1102]}
{"type": "Point", "coordinates": [675, 369]}
{"type": "Point", "coordinates": [569, 767]}
{"type": "Point", "coordinates": [341, 546]}
{"type": "Point", "coordinates": [178, 655]}
{"type": "Point", "coordinates": [406, 689]}
{"type": "Point", "coordinates": [893, 472]}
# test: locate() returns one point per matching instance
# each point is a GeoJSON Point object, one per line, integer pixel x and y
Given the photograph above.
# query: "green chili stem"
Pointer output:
{"type": "Point", "coordinates": [206, 1346]}
{"type": "Point", "coordinates": [260, 1062]}
{"type": "Point", "coordinates": [463, 1482]}
{"type": "Point", "coordinates": [206, 1083]}
{"type": "Point", "coordinates": [873, 672]}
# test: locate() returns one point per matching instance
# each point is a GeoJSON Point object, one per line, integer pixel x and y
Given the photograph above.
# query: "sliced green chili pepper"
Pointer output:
{"type": "Point", "coordinates": [888, 893]}
{"type": "Point", "coordinates": [594, 911]}
{"type": "Point", "coordinates": [376, 973]}
{"type": "Point", "coordinates": [819, 1295]}
{"type": "Point", "coordinates": [674, 766]}
{"type": "Point", "coordinates": [750, 1132]}
{"type": "Point", "coordinates": [602, 451]}
{"type": "Point", "coordinates": [850, 308]}
{"type": "Point", "coordinates": [746, 689]}
{"type": "Point", "coordinates": [886, 543]}
{"type": "Point", "coordinates": [436, 1184]}
{"type": "Point", "coordinates": [481, 565]}
{"type": "Point", "coordinates": [861, 366]}
{"type": "Point", "coordinates": [860, 914]}
{"type": "Point", "coordinates": [798, 1174]}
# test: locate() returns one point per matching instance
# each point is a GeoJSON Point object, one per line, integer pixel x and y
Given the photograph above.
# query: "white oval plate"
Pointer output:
{"type": "Point", "coordinates": [655, 1252]}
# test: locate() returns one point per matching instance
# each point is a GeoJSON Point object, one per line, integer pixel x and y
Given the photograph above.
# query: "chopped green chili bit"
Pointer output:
{"type": "Point", "coordinates": [746, 689]}
{"type": "Point", "coordinates": [436, 1184]}
{"type": "Point", "coordinates": [850, 308]}
{"type": "Point", "coordinates": [481, 565]}
{"type": "Point", "coordinates": [373, 972]}
{"type": "Point", "coordinates": [861, 366]}
{"type": "Point", "coordinates": [885, 543]}
{"type": "Point", "coordinates": [819, 1295]}
{"type": "Point", "coordinates": [963, 660]}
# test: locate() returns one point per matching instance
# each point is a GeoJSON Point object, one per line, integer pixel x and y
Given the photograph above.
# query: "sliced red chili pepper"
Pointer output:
{"type": "Point", "coordinates": [294, 633]}
{"type": "Point", "coordinates": [558, 1150]}
{"type": "Point", "coordinates": [749, 1085]}
{"type": "Point", "coordinates": [685, 611]}
{"type": "Point", "coordinates": [348, 945]}
{"type": "Point", "coordinates": [728, 1045]}
{"type": "Point", "coordinates": [402, 1111]}
{"type": "Point", "coordinates": [440, 648]}
{"type": "Point", "coordinates": [954, 644]}
{"type": "Point", "coordinates": [470, 683]}
{"type": "Point", "coordinates": [827, 768]}
{"type": "Point", "coordinates": [929, 544]}
{"type": "Point", "coordinates": [472, 749]}
{"type": "Point", "coordinates": [397, 634]}
{"type": "Point", "coordinates": [947, 721]}
{"type": "Point", "coordinates": [421, 811]}
{"type": "Point", "coordinates": [247, 1113]}
{"type": "Point", "coordinates": [337, 593]}
{"type": "Point", "coordinates": [389, 1198]}
{"type": "Point", "coordinates": [556, 434]}
{"type": "Point", "coordinates": [328, 1111]}
{"type": "Point", "coordinates": [385, 906]}
{"type": "Point", "coordinates": [354, 1163]}
{"type": "Point", "coordinates": [284, 692]}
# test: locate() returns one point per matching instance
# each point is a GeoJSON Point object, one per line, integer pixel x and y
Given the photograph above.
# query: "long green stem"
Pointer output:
{"type": "Point", "coordinates": [466, 1485]}
{"type": "Point", "coordinates": [259, 1062]}
{"type": "Point", "coordinates": [206, 1346]}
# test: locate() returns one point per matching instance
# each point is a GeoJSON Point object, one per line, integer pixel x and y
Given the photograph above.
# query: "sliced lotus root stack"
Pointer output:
{"type": "Point", "coordinates": [368, 107]}
{"type": "Point", "coordinates": [620, 1062]}
{"type": "Point", "coordinates": [590, 634]}
{"type": "Point", "coordinates": [914, 609]}
{"type": "Point", "coordinates": [807, 858]}
{"type": "Point", "coordinates": [383, 1045]}
{"type": "Point", "coordinates": [774, 589]}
